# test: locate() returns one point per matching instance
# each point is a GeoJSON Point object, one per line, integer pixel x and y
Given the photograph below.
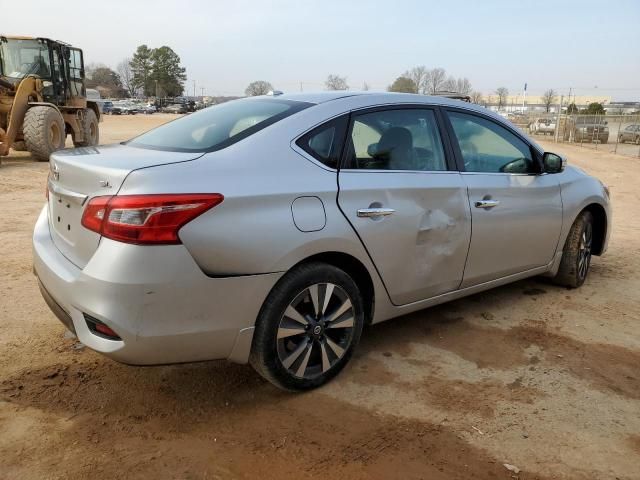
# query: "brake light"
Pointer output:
{"type": "Point", "coordinates": [146, 219]}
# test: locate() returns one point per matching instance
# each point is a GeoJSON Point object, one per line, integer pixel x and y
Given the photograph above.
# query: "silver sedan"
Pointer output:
{"type": "Point", "coordinates": [272, 229]}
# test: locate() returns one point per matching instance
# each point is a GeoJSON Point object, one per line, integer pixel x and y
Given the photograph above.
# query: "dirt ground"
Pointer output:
{"type": "Point", "coordinates": [531, 375]}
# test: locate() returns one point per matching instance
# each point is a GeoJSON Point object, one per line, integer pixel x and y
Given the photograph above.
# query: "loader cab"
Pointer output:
{"type": "Point", "coordinates": [58, 65]}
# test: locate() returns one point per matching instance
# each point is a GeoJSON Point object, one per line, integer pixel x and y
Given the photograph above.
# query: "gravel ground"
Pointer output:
{"type": "Point", "coordinates": [531, 375]}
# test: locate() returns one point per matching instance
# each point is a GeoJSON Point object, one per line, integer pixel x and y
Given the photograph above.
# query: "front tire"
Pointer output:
{"type": "Point", "coordinates": [44, 131]}
{"type": "Point", "coordinates": [576, 256]}
{"type": "Point", "coordinates": [308, 327]}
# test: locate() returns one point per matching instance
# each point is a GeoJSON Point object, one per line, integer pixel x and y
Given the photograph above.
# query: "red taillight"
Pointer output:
{"type": "Point", "coordinates": [146, 219]}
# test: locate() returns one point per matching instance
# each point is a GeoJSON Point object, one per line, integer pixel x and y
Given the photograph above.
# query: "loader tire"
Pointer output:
{"type": "Point", "coordinates": [19, 146]}
{"type": "Point", "coordinates": [90, 130]}
{"type": "Point", "coordinates": [44, 132]}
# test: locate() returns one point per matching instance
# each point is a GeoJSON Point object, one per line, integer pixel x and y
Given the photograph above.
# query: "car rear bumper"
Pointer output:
{"type": "Point", "coordinates": [158, 301]}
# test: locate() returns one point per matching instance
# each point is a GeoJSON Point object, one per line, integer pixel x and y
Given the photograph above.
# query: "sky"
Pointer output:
{"type": "Point", "coordinates": [590, 46]}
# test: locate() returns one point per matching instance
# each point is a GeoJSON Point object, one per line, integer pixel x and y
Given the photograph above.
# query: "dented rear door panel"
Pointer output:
{"type": "Point", "coordinates": [421, 248]}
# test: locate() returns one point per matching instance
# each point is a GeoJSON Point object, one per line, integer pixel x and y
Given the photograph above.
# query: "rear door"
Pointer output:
{"type": "Point", "coordinates": [399, 191]}
{"type": "Point", "coordinates": [516, 211]}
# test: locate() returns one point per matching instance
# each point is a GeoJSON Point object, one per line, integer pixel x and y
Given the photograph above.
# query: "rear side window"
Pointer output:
{"type": "Point", "coordinates": [217, 127]}
{"type": "Point", "coordinates": [324, 143]}
{"type": "Point", "coordinates": [403, 139]}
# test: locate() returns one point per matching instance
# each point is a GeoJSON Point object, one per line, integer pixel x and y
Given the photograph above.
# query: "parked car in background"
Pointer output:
{"type": "Point", "coordinates": [107, 105]}
{"type": "Point", "coordinates": [123, 108]}
{"type": "Point", "coordinates": [542, 126]}
{"type": "Point", "coordinates": [149, 109]}
{"type": "Point", "coordinates": [176, 108]}
{"type": "Point", "coordinates": [630, 134]}
{"type": "Point", "coordinates": [272, 229]}
{"type": "Point", "coordinates": [587, 128]}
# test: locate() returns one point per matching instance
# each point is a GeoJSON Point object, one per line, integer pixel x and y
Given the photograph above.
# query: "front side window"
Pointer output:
{"type": "Point", "coordinates": [405, 139]}
{"type": "Point", "coordinates": [487, 147]}
{"type": "Point", "coordinates": [217, 127]}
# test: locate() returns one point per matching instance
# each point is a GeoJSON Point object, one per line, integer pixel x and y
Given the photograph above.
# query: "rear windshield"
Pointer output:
{"type": "Point", "coordinates": [218, 126]}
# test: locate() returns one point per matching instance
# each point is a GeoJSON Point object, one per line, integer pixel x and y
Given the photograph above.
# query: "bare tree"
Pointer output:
{"type": "Point", "coordinates": [476, 97]}
{"type": "Point", "coordinates": [92, 67]}
{"type": "Point", "coordinates": [463, 85]}
{"type": "Point", "coordinates": [450, 84]}
{"type": "Point", "coordinates": [458, 85]}
{"type": "Point", "coordinates": [549, 97]}
{"type": "Point", "coordinates": [336, 82]}
{"type": "Point", "coordinates": [259, 87]}
{"type": "Point", "coordinates": [502, 93]}
{"type": "Point", "coordinates": [435, 80]}
{"type": "Point", "coordinates": [418, 75]}
{"type": "Point", "coordinates": [126, 76]}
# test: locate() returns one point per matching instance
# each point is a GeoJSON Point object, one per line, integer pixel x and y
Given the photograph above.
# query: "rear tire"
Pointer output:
{"type": "Point", "coordinates": [44, 131]}
{"type": "Point", "coordinates": [302, 338]}
{"type": "Point", "coordinates": [576, 256]}
{"type": "Point", "coordinates": [90, 129]}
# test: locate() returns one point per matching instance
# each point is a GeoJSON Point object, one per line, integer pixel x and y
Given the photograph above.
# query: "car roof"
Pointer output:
{"type": "Point", "coordinates": [316, 97]}
{"type": "Point", "coordinates": [376, 97]}
{"type": "Point", "coordinates": [362, 99]}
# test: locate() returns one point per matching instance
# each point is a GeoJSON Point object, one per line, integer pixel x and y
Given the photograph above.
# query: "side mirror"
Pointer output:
{"type": "Point", "coordinates": [553, 163]}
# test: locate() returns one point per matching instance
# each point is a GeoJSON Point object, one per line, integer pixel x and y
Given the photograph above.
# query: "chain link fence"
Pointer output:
{"type": "Point", "coordinates": [611, 133]}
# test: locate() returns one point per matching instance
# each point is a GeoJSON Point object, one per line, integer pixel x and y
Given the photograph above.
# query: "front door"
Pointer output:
{"type": "Point", "coordinates": [516, 211]}
{"type": "Point", "coordinates": [407, 205]}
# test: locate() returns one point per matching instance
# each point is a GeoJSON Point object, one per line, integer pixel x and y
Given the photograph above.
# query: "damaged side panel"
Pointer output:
{"type": "Point", "coordinates": [419, 249]}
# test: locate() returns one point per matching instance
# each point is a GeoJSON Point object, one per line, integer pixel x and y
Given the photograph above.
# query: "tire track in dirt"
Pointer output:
{"type": "Point", "coordinates": [246, 427]}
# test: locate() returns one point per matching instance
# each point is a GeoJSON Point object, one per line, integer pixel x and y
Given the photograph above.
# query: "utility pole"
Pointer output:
{"type": "Point", "coordinates": [570, 97]}
{"type": "Point", "coordinates": [558, 121]}
{"type": "Point", "coordinates": [202, 91]}
{"type": "Point", "coordinates": [194, 89]}
{"type": "Point", "coordinates": [300, 86]}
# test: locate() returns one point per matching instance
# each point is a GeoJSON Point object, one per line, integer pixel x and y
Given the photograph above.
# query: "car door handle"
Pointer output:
{"type": "Point", "coordinates": [375, 212]}
{"type": "Point", "coordinates": [487, 203]}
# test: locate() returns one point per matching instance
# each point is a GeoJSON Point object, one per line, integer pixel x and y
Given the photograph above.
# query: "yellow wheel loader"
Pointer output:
{"type": "Point", "coordinates": [43, 97]}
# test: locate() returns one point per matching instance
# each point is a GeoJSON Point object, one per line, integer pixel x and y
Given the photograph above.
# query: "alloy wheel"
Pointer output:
{"type": "Point", "coordinates": [315, 330]}
{"type": "Point", "coordinates": [584, 252]}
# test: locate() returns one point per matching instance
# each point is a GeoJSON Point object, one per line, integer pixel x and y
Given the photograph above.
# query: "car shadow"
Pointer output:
{"type": "Point", "coordinates": [83, 381]}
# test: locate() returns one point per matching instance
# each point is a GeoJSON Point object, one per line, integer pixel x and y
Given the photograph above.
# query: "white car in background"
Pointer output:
{"type": "Point", "coordinates": [542, 126]}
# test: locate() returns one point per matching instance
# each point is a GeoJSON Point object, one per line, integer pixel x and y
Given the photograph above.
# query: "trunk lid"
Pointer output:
{"type": "Point", "coordinates": [79, 174]}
